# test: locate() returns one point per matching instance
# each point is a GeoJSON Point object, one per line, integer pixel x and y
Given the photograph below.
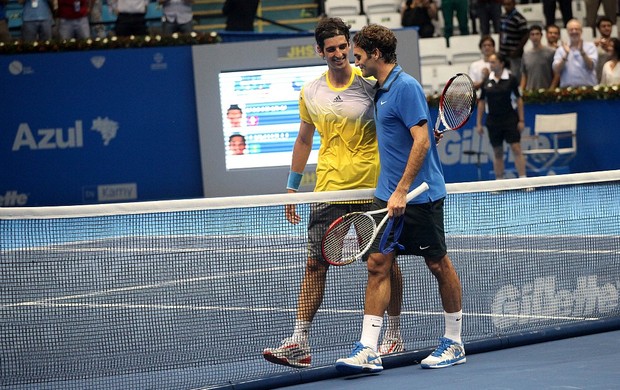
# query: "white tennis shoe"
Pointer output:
{"type": "Point", "coordinates": [290, 353]}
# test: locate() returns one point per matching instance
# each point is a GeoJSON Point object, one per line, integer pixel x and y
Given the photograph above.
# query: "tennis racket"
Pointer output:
{"type": "Point", "coordinates": [456, 103]}
{"type": "Point", "coordinates": [349, 237]}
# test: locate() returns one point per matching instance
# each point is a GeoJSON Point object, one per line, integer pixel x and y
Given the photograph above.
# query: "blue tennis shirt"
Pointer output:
{"type": "Point", "coordinates": [399, 105]}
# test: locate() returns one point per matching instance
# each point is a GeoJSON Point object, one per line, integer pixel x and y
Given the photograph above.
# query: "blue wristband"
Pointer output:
{"type": "Point", "coordinates": [294, 180]}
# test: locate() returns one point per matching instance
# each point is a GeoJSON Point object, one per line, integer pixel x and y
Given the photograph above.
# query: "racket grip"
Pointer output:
{"type": "Point", "coordinates": [417, 191]}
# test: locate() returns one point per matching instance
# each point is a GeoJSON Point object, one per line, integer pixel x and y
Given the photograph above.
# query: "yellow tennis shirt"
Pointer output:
{"type": "Point", "coordinates": [348, 155]}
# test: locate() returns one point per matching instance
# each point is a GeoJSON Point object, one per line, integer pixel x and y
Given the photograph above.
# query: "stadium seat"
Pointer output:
{"type": "Point", "coordinates": [464, 49]}
{"type": "Point", "coordinates": [387, 19]}
{"type": "Point", "coordinates": [533, 13]}
{"type": "Point", "coordinates": [381, 6]}
{"type": "Point", "coordinates": [355, 21]}
{"type": "Point", "coordinates": [579, 12]}
{"type": "Point", "coordinates": [433, 51]}
{"type": "Point", "coordinates": [342, 7]}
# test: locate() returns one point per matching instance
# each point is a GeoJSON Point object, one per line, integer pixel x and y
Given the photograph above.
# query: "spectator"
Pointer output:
{"type": "Point", "coordinates": [513, 36]}
{"type": "Point", "coordinates": [420, 13]}
{"type": "Point", "coordinates": [4, 25]}
{"type": "Point", "coordinates": [603, 44]}
{"type": "Point", "coordinates": [537, 63]}
{"type": "Point", "coordinates": [37, 20]}
{"type": "Point", "coordinates": [479, 70]}
{"type": "Point", "coordinates": [451, 7]}
{"type": "Point", "coordinates": [473, 15]}
{"type": "Point", "coordinates": [553, 36]}
{"type": "Point", "coordinates": [73, 19]}
{"type": "Point", "coordinates": [131, 17]}
{"type": "Point", "coordinates": [501, 100]}
{"type": "Point", "coordinates": [177, 16]}
{"type": "Point", "coordinates": [489, 13]}
{"type": "Point", "coordinates": [96, 19]}
{"type": "Point", "coordinates": [566, 9]}
{"type": "Point", "coordinates": [611, 70]}
{"type": "Point", "coordinates": [240, 14]}
{"type": "Point", "coordinates": [575, 63]}
{"type": "Point", "coordinates": [236, 144]}
{"type": "Point", "coordinates": [610, 9]}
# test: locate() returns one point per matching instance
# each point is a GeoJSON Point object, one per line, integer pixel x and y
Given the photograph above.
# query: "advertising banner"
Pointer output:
{"type": "Point", "coordinates": [98, 126]}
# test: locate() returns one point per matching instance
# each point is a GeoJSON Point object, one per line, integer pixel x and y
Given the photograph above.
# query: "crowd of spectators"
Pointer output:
{"type": "Point", "coordinates": [43, 20]}
{"type": "Point", "coordinates": [539, 59]}
{"type": "Point", "coordinates": [536, 60]}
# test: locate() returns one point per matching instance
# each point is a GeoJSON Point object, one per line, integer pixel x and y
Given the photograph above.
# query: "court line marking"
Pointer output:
{"type": "Point", "coordinates": [46, 303]}
{"type": "Point", "coordinates": [149, 286]}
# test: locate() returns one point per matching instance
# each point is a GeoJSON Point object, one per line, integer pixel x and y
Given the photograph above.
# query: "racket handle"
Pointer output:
{"type": "Point", "coordinates": [417, 191]}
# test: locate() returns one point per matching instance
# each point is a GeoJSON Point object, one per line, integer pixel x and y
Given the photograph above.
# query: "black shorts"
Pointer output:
{"type": "Point", "coordinates": [423, 231]}
{"type": "Point", "coordinates": [503, 129]}
{"type": "Point", "coordinates": [321, 216]}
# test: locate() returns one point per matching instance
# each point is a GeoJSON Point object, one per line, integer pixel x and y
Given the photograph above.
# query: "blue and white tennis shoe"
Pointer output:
{"type": "Point", "coordinates": [361, 360]}
{"type": "Point", "coordinates": [449, 353]}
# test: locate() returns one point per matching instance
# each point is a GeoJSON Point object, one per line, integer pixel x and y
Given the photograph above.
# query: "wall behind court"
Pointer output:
{"type": "Point", "coordinates": [139, 124]}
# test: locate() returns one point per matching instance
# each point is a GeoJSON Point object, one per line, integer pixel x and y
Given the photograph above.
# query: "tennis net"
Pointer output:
{"type": "Point", "coordinates": [187, 294]}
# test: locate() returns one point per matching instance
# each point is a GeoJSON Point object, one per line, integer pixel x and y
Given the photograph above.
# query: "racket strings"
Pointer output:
{"type": "Point", "coordinates": [458, 102]}
{"type": "Point", "coordinates": [346, 238]}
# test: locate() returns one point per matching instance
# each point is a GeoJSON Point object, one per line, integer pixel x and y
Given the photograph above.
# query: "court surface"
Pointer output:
{"type": "Point", "coordinates": [586, 362]}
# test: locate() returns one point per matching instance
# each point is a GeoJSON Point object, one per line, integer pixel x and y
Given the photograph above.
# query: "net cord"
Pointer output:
{"type": "Point", "coordinates": [296, 198]}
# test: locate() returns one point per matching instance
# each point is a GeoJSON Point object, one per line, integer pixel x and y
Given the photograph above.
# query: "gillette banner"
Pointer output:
{"type": "Point", "coordinates": [98, 127]}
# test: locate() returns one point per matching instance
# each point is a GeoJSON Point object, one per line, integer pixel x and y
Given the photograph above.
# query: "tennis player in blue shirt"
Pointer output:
{"type": "Point", "coordinates": [408, 157]}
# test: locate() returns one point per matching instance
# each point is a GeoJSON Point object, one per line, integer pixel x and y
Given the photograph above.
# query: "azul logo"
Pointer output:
{"type": "Point", "coordinates": [58, 138]}
{"type": "Point", "coordinates": [13, 198]}
{"type": "Point", "coordinates": [540, 301]}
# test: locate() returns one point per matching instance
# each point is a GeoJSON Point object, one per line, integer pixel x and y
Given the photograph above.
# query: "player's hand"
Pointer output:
{"type": "Point", "coordinates": [479, 129]}
{"type": "Point", "coordinates": [397, 203]}
{"type": "Point", "coordinates": [290, 211]}
{"type": "Point", "coordinates": [520, 126]}
{"type": "Point", "coordinates": [438, 136]}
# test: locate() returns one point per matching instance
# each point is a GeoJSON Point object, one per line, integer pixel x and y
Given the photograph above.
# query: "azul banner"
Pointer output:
{"type": "Point", "coordinates": [98, 126]}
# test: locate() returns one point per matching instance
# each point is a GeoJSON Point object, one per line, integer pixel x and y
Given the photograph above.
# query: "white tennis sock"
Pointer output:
{"type": "Point", "coordinates": [370, 331]}
{"type": "Point", "coordinates": [454, 324]}
{"type": "Point", "coordinates": [392, 330]}
{"type": "Point", "coordinates": [301, 330]}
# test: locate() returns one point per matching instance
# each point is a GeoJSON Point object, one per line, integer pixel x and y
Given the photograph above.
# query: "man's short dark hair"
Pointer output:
{"type": "Point", "coordinates": [485, 38]}
{"type": "Point", "coordinates": [329, 28]}
{"type": "Point", "coordinates": [536, 28]}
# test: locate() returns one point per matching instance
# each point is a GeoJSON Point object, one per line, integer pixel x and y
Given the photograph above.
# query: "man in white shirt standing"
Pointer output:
{"type": "Point", "coordinates": [131, 17]}
{"type": "Point", "coordinates": [479, 70]}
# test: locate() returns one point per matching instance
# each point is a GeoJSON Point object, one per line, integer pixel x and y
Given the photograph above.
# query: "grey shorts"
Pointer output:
{"type": "Point", "coordinates": [321, 216]}
{"type": "Point", "coordinates": [423, 231]}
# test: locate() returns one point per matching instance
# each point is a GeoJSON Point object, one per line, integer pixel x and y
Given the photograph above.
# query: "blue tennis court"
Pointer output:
{"type": "Point", "coordinates": [585, 362]}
